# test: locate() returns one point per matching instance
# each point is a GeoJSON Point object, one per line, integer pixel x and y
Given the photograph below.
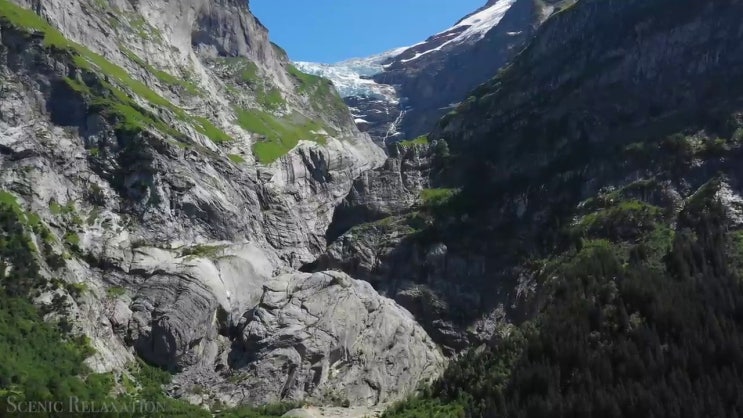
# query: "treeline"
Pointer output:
{"type": "Point", "coordinates": [652, 327]}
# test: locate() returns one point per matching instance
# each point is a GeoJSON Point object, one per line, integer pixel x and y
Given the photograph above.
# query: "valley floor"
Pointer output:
{"type": "Point", "coordinates": [337, 412]}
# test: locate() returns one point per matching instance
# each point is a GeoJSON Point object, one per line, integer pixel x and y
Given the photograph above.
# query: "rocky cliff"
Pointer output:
{"type": "Point", "coordinates": [178, 170]}
{"type": "Point", "coordinates": [600, 187]}
{"type": "Point", "coordinates": [572, 118]}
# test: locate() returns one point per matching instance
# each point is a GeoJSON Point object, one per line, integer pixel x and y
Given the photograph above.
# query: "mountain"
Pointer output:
{"type": "Point", "coordinates": [401, 93]}
{"type": "Point", "coordinates": [578, 235]}
{"type": "Point", "coordinates": [190, 222]}
{"type": "Point", "coordinates": [165, 172]}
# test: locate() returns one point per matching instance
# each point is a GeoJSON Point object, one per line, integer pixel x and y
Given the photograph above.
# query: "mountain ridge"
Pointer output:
{"type": "Point", "coordinates": [418, 84]}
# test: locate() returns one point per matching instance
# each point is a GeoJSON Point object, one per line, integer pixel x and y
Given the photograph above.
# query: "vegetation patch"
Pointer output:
{"type": "Point", "coordinates": [236, 158]}
{"type": "Point", "coordinates": [421, 140]}
{"type": "Point", "coordinates": [56, 209]}
{"type": "Point", "coordinates": [622, 221]}
{"type": "Point", "coordinates": [249, 72]}
{"type": "Point", "coordinates": [42, 361]}
{"type": "Point", "coordinates": [437, 197]}
{"type": "Point", "coordinates": [72, 239]}
{"type": "Point", "coordinates": [321, 92]}
{"type": "Point", "coordinates": [115, 292]}
{"type": "Point", "coordinates": [280, 134]}
{"type": "Point", "coordinates": [625, 316]}
{"type": "Point", "coordinates": [109, 98]}
{"type": "Point", "coordinates": [244, 71]}
{"type": "Point", "coordinates": [211, 131]}
{"type": "Point", "coordinates": [270, 99]}
{"type": "Point", "coordinates": [165, 77]}
{"type": "Point", "coordinates": [204, 251]}
{"type": "Point", "coordinates": [143, 29]}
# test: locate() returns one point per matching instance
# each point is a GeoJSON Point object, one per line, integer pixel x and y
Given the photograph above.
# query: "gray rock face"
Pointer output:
{"type": "Point", "coordinates": [332, 336]}
{"type": "Point", "coordinates": [379, 116]}
{"type": "Point", "coordinates": [174, 234]}
{"type": "Point", "coordinates": [374, 237]}
{"type": "Point", "coordinates": [388, 190]}
{"type": "Point", "coordinates": [434, 285]}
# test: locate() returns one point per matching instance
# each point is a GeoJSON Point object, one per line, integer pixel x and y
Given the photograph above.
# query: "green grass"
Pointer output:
{"type": "Point", "coordinates": [437, 197]}
{"type": "Point", "coordinates": [623, 220]}
{"type": "Point", "coordinates": [280, 134]}
{"type": "Point", "coordinates": [235, 158]}
{"type": "Point", "coordinates": [78, 86]}
{"type": "Point", "coordinates": [245, 71]}
{"type": "Point", "coordinates": [27, 19]}
{"type": "Point", "coordinates": [72, 239]}
{"type": "Point", "coordinates": [323, 96]}
{"type": "Point", "coordinates": [307, 82]}
{"type": "Point", "coordinates": [101, 4]}
{"type": "Point", "coordinates": [163, 76]}
{"type": "Point", "coordinates": [271, 99]}
{"type": "Point", "coordinates": [249, 72]}
{"type": "Point", "coordinates": [57, 209]}
{"type": "Point", "coordinates": [421, 140]}
{"type": "Point", "coordinates": [204, 251]}
{"type": "Point", "coordinates": [240, 68]}
{"type": "Point", "coordinates": [206, 127]}
{"type": "Point", "coordinates": [29, 219]}
{"type": "Point", "coordinates": [108, 97]}
{"type": "Point", "coordinates": [143, 29]}
{"type": "Point", "coordinates": [90, 60]}
{"type": "Point", "coordinates": [8, 199]}
{"type": "Point", "coordinates": [115, 292]}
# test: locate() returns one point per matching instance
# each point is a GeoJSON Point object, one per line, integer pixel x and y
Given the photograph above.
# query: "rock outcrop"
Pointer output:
{"type": "Point", "coordinates": [379, 235]}
{"type": "Point", "coordinates": [389, 190]}
{"type": "Point", "coordinates": [327, 336]}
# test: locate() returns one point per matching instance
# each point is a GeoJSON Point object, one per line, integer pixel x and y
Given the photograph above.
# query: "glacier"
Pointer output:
{"type": "Point", "coordinates": [352, 77]}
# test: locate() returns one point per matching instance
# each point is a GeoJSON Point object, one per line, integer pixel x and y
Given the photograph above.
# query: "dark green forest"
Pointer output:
{"type": "Point", "coordinates": [630, 231]}
{"type": "Point", "coordinates": [644, 318]}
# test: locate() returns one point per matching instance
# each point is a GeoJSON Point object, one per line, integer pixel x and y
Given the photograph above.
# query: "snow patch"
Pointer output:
{"type": "Point", "coordinates": [475, 27]}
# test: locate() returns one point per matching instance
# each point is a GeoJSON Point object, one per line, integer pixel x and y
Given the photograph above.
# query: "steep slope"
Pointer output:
{"type": "Point", "coordinates": [600, 185]}
{"type": "Point", "coordinates": [375, 106]}
{"type": "Point", "coordinates": [431, 77]}
{"type": "Point", "coordinates": [173, 162]}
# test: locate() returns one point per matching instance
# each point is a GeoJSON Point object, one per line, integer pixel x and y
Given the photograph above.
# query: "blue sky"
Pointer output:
{"type": "Point", "coordinates": [334, 30]}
